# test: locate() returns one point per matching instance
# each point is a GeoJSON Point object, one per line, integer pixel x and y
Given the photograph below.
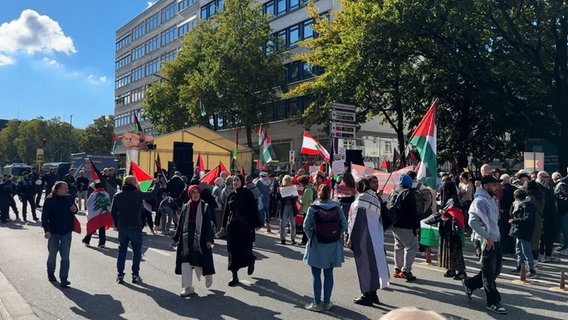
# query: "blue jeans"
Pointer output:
{"type": "Point", "coordinates": [524, 253]}
{"type": "Point", "coordinates": [327, 284]}
{"type": "Point", "coordinates": [59, 243]}
{"type": "Point", "coordinates": [564, 226]}
{"type": "Point", "coordinates": [134, 236]}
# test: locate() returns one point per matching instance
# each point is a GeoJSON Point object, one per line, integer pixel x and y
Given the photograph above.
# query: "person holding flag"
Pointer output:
{"type": "Point", "coordinates": [98, 214]}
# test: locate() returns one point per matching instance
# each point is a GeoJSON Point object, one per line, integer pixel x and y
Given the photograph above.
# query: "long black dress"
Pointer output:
{"type": "Point", "coordinates": [450, 252]}
{"type": "Point", "coordinates": [241, 219]}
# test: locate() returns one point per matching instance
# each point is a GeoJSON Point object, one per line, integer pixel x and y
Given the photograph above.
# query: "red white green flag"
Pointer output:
{"type": "Point", "coordinates": [137, 126]}
{"type": "Point", "coordinates": [144, 179]}
{"type": "Point", "coordinates": [424, 140]}
{"type": "Point", "coordinates": [266, 150]}
{"type": "Point", "coordinates": [384, 166]}
{"type": "Point", "coordinates": [98, 211]}
{"type": "Point", "coordinates": [200, 163]}
{"type": "Point", "coordinates": [311, 146]}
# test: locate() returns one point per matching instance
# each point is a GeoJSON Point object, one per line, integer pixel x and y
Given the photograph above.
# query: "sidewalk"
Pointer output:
{"type": "Point", "coordinates": [12, 304]}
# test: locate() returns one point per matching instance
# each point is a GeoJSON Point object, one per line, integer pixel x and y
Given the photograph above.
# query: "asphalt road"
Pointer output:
{"type": "Point", "coordinates": [279, 288]}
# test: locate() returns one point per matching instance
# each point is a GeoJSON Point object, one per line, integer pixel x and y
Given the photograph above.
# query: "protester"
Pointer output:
{"type": "Point", "coordinates": [288, 196]}
{"type": "Point", "coordinates": [465, 191]}
{"type": "Point", "coordinates": [168, 209]}
{"type": "Point", "coordinates": [346, 191]}
{"type": "Point", "coordinates": [5, 196]}
{"type": "Point", "coordinates": [561, 194]}
{"type": "Point", "coordinates": [405, 230]}
{"type": "Point", "coordinates": [550, 222]}
{"type": "Point", "coordinates": [483, 220]}
{"type": "Point", "coordinates": [451, 228]}
{"type": "Point", "coordinates": [536, 196]}
{"type": "Point", "coordinates": [82, 183]}
{"type": "Point", "coordinates": [240, 219]}
{"type": "Point", "coordinates": [194, 242]}
{"type": "Point", "coordinates": [26, 191]}
{"type": "Point", "coordinates": [308, 197]}
{"type": "Point", "coordinates": [58, 222]}
{"type": "Point", "coordinates": [127, 207]}
{"type": "Point", "coordinates": [69, 178]}
{"type": "Point", "coordinates": [366, 239]}
{"type": "Point", "coordinates": [522, 220]}
{"type": "Point", "coordinates": [507, 242]}
{"type": "Point", "coordinates": [323, 256]}
{"type": "Point", "coordinates": [264, 184]}
{"type": "Point", "coordinates": [97, 204]}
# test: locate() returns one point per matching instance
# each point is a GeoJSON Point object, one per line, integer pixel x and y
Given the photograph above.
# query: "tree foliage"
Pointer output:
{"type": "Point", "coordinates": [98, 136]}
{"type": "Point", "coordinates": [497, 67]}
{"type": "Point", "coordinates": [223, 70]}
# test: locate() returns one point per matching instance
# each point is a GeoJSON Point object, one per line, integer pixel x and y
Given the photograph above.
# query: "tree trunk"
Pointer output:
{"type": "Point", "coordinates": [464, 127]}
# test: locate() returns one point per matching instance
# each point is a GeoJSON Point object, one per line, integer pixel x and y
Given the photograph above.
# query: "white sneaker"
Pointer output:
{"type": "Point", "coordinates": [314, 307]}
{"type": "Point", "coordinates": [208, 280]}
{"type": "Point", "coordinates": [187, 292]}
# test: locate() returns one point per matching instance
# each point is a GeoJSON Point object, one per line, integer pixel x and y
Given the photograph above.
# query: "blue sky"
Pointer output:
{"type": "Point", "coordinates": [57, 57]}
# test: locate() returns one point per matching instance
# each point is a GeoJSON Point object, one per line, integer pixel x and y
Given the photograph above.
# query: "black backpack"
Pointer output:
{"type": "Point", "coordinates": [327, 224]}
{"type": "Point", "coordinates": [394, 204]}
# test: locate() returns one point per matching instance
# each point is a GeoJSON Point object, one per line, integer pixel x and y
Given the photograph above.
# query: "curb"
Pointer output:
{"type": "Point", "coordinates": [12, 304]}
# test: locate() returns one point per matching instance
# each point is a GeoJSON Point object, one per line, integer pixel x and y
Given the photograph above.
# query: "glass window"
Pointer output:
{"type": "Point", "coordinates": [169, 11]}
{"type": "Point", "coordinates": [204, 11]}
{"type": "Point", "coordinates": [138, 52]}
{"type": "Point", "coordinates": [220, 5]}
{"type": "Point", "coordinates": [169, 56]}
{"type": "Point", "coordinates": [308, 31]}
{"type": "Point", "coordinates": [294, 107]}
{"type": "Point", "coordinates": [279, 111]}
{"type": "Point", "coordinates": [137, 73]}
{"type": "Point", "coordinates": [123, 42]}
{"type": "Point", "coordinates": [152, 44]}
{"type": "Point", "coordinates": [294, 71]}
{"type": "Point", "coordinates": [122, 61]}
{"type": "Point", "coordinates": [152, 66]}
{"type": "Point", "coordinates": [306, 71]}
{"type": "Point", "coordinates": [282, 39]}
{"type": "Point", "coordinates": [122, 80]}
{"type": "Point", "coordinates": [294, 4]}
{"type": "Point", "coordinates": [138, 31]}
{"type": "Point", "coordinates": [169, 35]}
{"type": "Point", "coordinates": [152, 22]}
{"type": "Point", "coordinates": [294, 35]}
{"type": "Point", "coordinates": [269, 8]}
{"type": "Point", "coordinates": [185, 3]}
{"type": "Point", "coordinates": [281, 7]}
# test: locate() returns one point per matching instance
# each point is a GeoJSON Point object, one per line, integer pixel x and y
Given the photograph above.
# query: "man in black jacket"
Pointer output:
{"type": "Point", "coordinates": [26, 191]}
{"type": "Point", "coordinates": [405, 230]}
{"type": "Point", "coordinates": [127, 214]}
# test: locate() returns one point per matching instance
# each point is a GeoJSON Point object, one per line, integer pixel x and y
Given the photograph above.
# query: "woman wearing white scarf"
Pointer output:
{"type": "Point", "coordinates": [194, 242]}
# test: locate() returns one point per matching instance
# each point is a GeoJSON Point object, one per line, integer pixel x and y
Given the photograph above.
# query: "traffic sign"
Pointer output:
{"type": "Point", "coordinates": [343, 130]}
{"type": "Point", "coordinates": [343, 116]}
{"type": "Point", "coordinates": [341, 106]}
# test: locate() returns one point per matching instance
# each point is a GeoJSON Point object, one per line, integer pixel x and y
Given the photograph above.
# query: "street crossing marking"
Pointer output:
{"type": "Point", "coordinates": [162, 252]}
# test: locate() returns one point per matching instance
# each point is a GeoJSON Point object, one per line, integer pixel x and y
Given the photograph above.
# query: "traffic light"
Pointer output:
{"type": "Point", "coordinates": [44, 140]}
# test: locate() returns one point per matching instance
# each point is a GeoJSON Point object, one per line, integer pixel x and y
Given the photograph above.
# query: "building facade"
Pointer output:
{"type": "Point", "coordinates": [154, 37]}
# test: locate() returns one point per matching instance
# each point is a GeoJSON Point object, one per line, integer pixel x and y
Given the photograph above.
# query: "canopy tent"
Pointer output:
{"type": "Point", "coordinates": [212, 146]}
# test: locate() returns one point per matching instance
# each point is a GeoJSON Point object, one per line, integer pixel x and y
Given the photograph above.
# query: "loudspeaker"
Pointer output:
{"type": "Point", "coordinates": [183, 152]}
{"type": "Point", "coordinates": [186, 168]}
{"type": "Point", "coordinates": [354, 156]}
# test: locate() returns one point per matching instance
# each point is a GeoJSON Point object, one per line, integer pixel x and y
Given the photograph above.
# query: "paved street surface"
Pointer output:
{"type": "Point", "coordinates": [279, 288]}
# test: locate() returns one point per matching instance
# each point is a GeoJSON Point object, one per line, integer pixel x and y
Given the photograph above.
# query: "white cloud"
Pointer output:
{"type": "Point", "coordinates": [150, 3]}
{"type": "Point", "coordinates": [5, 60]}
{"type": "Point", "coordinates": [92, 79]}
{"type": "Point", "coordinates": [32, 33]}
{"type": "Point", "coordinates": [50, 62]}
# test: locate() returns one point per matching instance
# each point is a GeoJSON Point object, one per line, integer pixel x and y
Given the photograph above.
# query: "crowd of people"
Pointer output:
{"type": "Point", "coordinates": [500, 214]}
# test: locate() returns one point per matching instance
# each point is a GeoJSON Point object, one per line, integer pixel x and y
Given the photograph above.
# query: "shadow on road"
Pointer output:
{"type": "Point", "coordinates": [97, 306]}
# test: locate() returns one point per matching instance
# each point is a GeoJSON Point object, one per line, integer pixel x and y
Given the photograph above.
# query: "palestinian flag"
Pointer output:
{"type": "Point", "coordinates": [159, 167]}
{"type": "Point", "coordinates": [311, 146]}
{"type": "Point", "coordinates": [200, 164]}
{"type": "Point", "coordinates": [210, 176]}
{"type": "Point", "coordinates": [267, 150]}
{"type": "Point", "coordinates": [137, 126]}
{"type": "Point", "coordinates": [223, 168]}
{"type": "Point", "coordinates": [98, 211]}
{"type": "Point", "coordinates": [424, 140]}
{"type": "Point", "coordinates": [117, 141]}
{"type": "Point", "coordinates": [384, 166]}
{"type": "Point", "coordinates": [144, 179]}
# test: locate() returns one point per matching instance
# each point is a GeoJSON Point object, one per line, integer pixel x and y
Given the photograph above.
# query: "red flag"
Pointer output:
{"type": "Point", "coordinates": [384, 166]}
{"type": "Point", "coordinates": [311, 146]}
{"type": "Point", "coordinates": [200, 163]}
{"type": "Point", "coordinates": [321, 168]}
{"type": "Point", "coordinates": [144, 179]}
{"type": "Point", "coordinates": [210, 176]}
{"type": "Point", "coordinates": [158, 161]}
{"type": "Point", "coordinates": [243, 171]}
{"type": "Point", "coordinates": [222, 167]}
{"type": "Point", "coordinates": [306, 166]}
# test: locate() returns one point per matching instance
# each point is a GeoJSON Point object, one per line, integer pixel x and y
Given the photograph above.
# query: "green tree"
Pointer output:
{"type": "Point", "coordinates": [8, 135]}
{"type": "Point", "coordinates": [98, 136]}
{"type": "Point", "coordinates": [227, 68]}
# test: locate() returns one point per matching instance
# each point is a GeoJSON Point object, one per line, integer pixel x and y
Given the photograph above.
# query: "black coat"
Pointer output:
{"type": "Point", "coordinates": [206, 236]}
{"type": "Point", "coordinates": [523, 215]}
{"type": "Point", "coordinates": [407, 217]}
{"type": "Point", "coordinates": [56, 217]}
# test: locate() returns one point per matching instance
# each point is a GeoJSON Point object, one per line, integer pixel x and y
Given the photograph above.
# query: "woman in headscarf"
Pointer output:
{"type": "Point", "coordinates": [366, 239]}
{"type": "Point", "coordinates": [451, 226]}
{"type": "Point", "coordinates": [194, 242]}
{"type": "Point", "coordinates": [240, 219]}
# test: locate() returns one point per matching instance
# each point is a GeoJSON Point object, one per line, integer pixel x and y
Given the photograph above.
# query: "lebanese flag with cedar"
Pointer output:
{"type": "Point", "coordinates": [98, 211]}
{"type": "Point", "coordinates": [311, 146]}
